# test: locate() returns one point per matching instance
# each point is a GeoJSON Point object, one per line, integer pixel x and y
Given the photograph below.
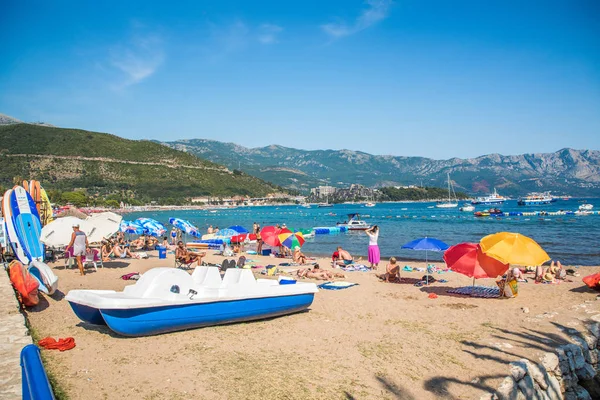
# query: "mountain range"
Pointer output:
{"type": "Point", "coordinates": [105, 166]}
{"type": "Point", "coordinates": [566, 171]}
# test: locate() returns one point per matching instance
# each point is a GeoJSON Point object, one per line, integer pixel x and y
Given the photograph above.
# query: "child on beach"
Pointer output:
{"type": "Point", "coordinates": [392, 273]}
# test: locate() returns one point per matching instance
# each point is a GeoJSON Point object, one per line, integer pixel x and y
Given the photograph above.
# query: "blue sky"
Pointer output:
{"type": "Point", "coordinates": [438, 79]}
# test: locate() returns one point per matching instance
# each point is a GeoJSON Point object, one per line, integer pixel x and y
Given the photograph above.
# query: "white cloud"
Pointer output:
{"type": "Point", "coordinates": [267, 33]}
{"type": "Point", "coordinates": [376, 11]}
{"type": "Point", "coordinates": [137, 59]}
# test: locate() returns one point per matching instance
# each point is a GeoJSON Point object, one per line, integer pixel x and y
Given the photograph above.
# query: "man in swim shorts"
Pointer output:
{"type": "Point", "coordinates": [342, 258]}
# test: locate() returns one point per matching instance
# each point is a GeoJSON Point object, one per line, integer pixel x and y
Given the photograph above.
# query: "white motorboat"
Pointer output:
{"type": "Point", "coordinates": [369, 204]}
{"type": "Point", "coordinates": [354, 223]}
{"type": "Point", "coordinates": [467, 208]}
{"type": "Point", "coordinates": [586, 207]}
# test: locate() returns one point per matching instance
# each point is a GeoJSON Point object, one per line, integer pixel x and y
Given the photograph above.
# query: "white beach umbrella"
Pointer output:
{"type": "Point", "coordinates": [58, 232]}
{"type": "Point", "coordinates": [100, 226]}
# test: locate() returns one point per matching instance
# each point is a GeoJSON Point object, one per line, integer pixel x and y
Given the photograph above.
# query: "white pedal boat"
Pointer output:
{"type": "Point", "coordinates": [167, 299]}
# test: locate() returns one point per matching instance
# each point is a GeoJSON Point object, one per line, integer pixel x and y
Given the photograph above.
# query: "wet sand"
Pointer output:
{"type": "Point", "coordinates": [372, 341]}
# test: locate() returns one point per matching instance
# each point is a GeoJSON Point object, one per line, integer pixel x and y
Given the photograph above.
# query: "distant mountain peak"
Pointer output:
{"type": "Point", "coordinates": [8, 120]}
{"type": "Point", "coordinates": [570, 171]}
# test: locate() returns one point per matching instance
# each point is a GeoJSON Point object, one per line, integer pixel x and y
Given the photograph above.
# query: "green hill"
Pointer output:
{"type": "Point", "coordinates": [107, 166]}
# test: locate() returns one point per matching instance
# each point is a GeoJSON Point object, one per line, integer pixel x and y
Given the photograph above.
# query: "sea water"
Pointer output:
{"type": "Point", "coordinates": [572, 239]}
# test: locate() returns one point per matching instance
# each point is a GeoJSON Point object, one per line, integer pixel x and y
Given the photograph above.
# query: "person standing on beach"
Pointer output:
{"type": "Point", "coordinates": [374, 255]}
{"type": "Point", "coordinates": [210, 230]}
{"type": "Point", "coordinates": [173, 236]}
{"type": "Point", "coordinates": [80, 245]}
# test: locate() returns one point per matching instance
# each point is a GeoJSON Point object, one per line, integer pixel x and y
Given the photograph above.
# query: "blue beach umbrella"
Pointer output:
{"type": "Point", "coordinates": [153, 227]}
{"type": "Point", "coordinates": [427, 244]}
{"type": "Point", "coordinates": [131, 227]}
{"type": "Point", "coordinates": [185, 226]}
{"type": "Point", "coordinates": [225, 233]}
{"type": "Point", "coordinates": [239, 229]}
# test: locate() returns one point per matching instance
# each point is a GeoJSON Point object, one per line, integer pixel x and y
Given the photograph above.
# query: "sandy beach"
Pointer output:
{"type": "Point", "coordinates": [372, 341]}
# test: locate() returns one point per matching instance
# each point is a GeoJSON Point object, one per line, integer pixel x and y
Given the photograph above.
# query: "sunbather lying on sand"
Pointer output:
{"type": "Point", "coordinates": [317, 273]}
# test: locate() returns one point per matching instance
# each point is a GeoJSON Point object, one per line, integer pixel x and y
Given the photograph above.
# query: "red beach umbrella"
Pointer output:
{"type": "Point", "coordinates": [269, 235]}
{"type": "Point", "coordinates": [469, 260]}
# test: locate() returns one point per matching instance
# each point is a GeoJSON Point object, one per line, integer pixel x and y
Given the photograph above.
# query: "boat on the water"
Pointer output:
{"type": "Point", "coordinates": [467, 208]}
{"type": "Point", "coordinates": [322, 205]}
{"type": "Point", "coordinates": [354, 223]}
{"type": "Point", "coordinates": [535, 199]}
{"type": "Point", "coordinates": [169, 299]}
{"type": "Point", "coordinates": [451, 203]}
{"type": "Point", "coordinates": [369, 204]}
{"type": "Point", "coordinates": [586, 207]}
{"type": "Point", "coordinates": [492, 199]}
{"type": "Point", "coordinates": [487, 213]}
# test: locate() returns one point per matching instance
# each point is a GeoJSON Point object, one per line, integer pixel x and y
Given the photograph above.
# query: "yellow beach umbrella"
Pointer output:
{"type": "Point", "coordinates": [513, 248]}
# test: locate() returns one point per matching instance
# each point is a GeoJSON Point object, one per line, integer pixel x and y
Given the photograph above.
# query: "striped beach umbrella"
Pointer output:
{"type": "Point", "coordinates": [185, 226]}
{"type": "Point", "coordinates": [291, 239]}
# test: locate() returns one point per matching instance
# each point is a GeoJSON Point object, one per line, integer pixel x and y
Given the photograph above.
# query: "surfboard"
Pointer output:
{"type": "Point", "coordinates": [46, 208]}
{"type": "Point", "coordinates": [27, 224]}
{"type": "Point", "coordinates": [25, 184]}
{"type": "Point", "coordinates": [46, 277]}
{"type": "Point", "coordinates": [11, 234]}
{"type": "Point", "coordinates": [36, 194]}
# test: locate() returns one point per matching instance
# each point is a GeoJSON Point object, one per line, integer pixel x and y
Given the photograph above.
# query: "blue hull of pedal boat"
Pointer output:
{"type": "Point", "coordinates": [150, 307]}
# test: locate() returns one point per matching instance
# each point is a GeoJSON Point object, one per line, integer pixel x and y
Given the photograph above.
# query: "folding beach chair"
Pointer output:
{"type": "Point", "coordinates": [183, 265]}
{"type": "Point", "coordinates": [92, 257]}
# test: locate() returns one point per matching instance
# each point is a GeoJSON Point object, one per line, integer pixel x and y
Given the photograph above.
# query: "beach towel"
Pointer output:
{"type": "Point", "coordinates": [336, 285]}
{"type": "Point", "coordinates": [61, 344]}
{"type": "Point", "coordinates": [131, 276]}
{"type": "Point", "coordinates": [355, 267]}
{"type": "Point", "coordinates": [477, 291]}
{"type": "Point", "coordinates": [407, 268]}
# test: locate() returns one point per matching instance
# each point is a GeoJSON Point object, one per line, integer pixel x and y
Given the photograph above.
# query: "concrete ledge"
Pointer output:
{"type": "Point", "coordinates": [14, 335]}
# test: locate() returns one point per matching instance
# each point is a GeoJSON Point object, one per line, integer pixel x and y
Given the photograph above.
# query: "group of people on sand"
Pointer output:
{"type": "Point", "coordinates": [118, 247]}
{"type": "Point", "coordinates": [114, 247]}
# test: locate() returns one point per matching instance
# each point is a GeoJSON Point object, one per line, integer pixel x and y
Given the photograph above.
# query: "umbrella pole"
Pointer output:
{"type": "Point", "coordinates": [426, 270]}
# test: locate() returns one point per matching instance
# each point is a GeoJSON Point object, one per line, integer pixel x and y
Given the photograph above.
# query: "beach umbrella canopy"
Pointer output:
{"type": "Point", "coordinates": [131, 227]}
{"type": "Point", "coordinates": [291, 239]}
{"type": "Point", "coordinates": [513, 248]}
{"type": "Point", "coordinates": [427, 244]}
{"type": "Point", "coordinates": [226, 233]}
{"type": "Point", "coordinates": [467, 259]}
{"type": "Point", "coordinates": [239, 229]}
{"type": "Point", "coordinates": [153, 227]}
{"type": "Point", "coordinates": [58, 232]}
{"type": "Point", "coordinates": [185, 226]}
{"type": "Point", "coordinates": [269, 235]}
{"type": "Point", "coordinates": [100, 226]}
